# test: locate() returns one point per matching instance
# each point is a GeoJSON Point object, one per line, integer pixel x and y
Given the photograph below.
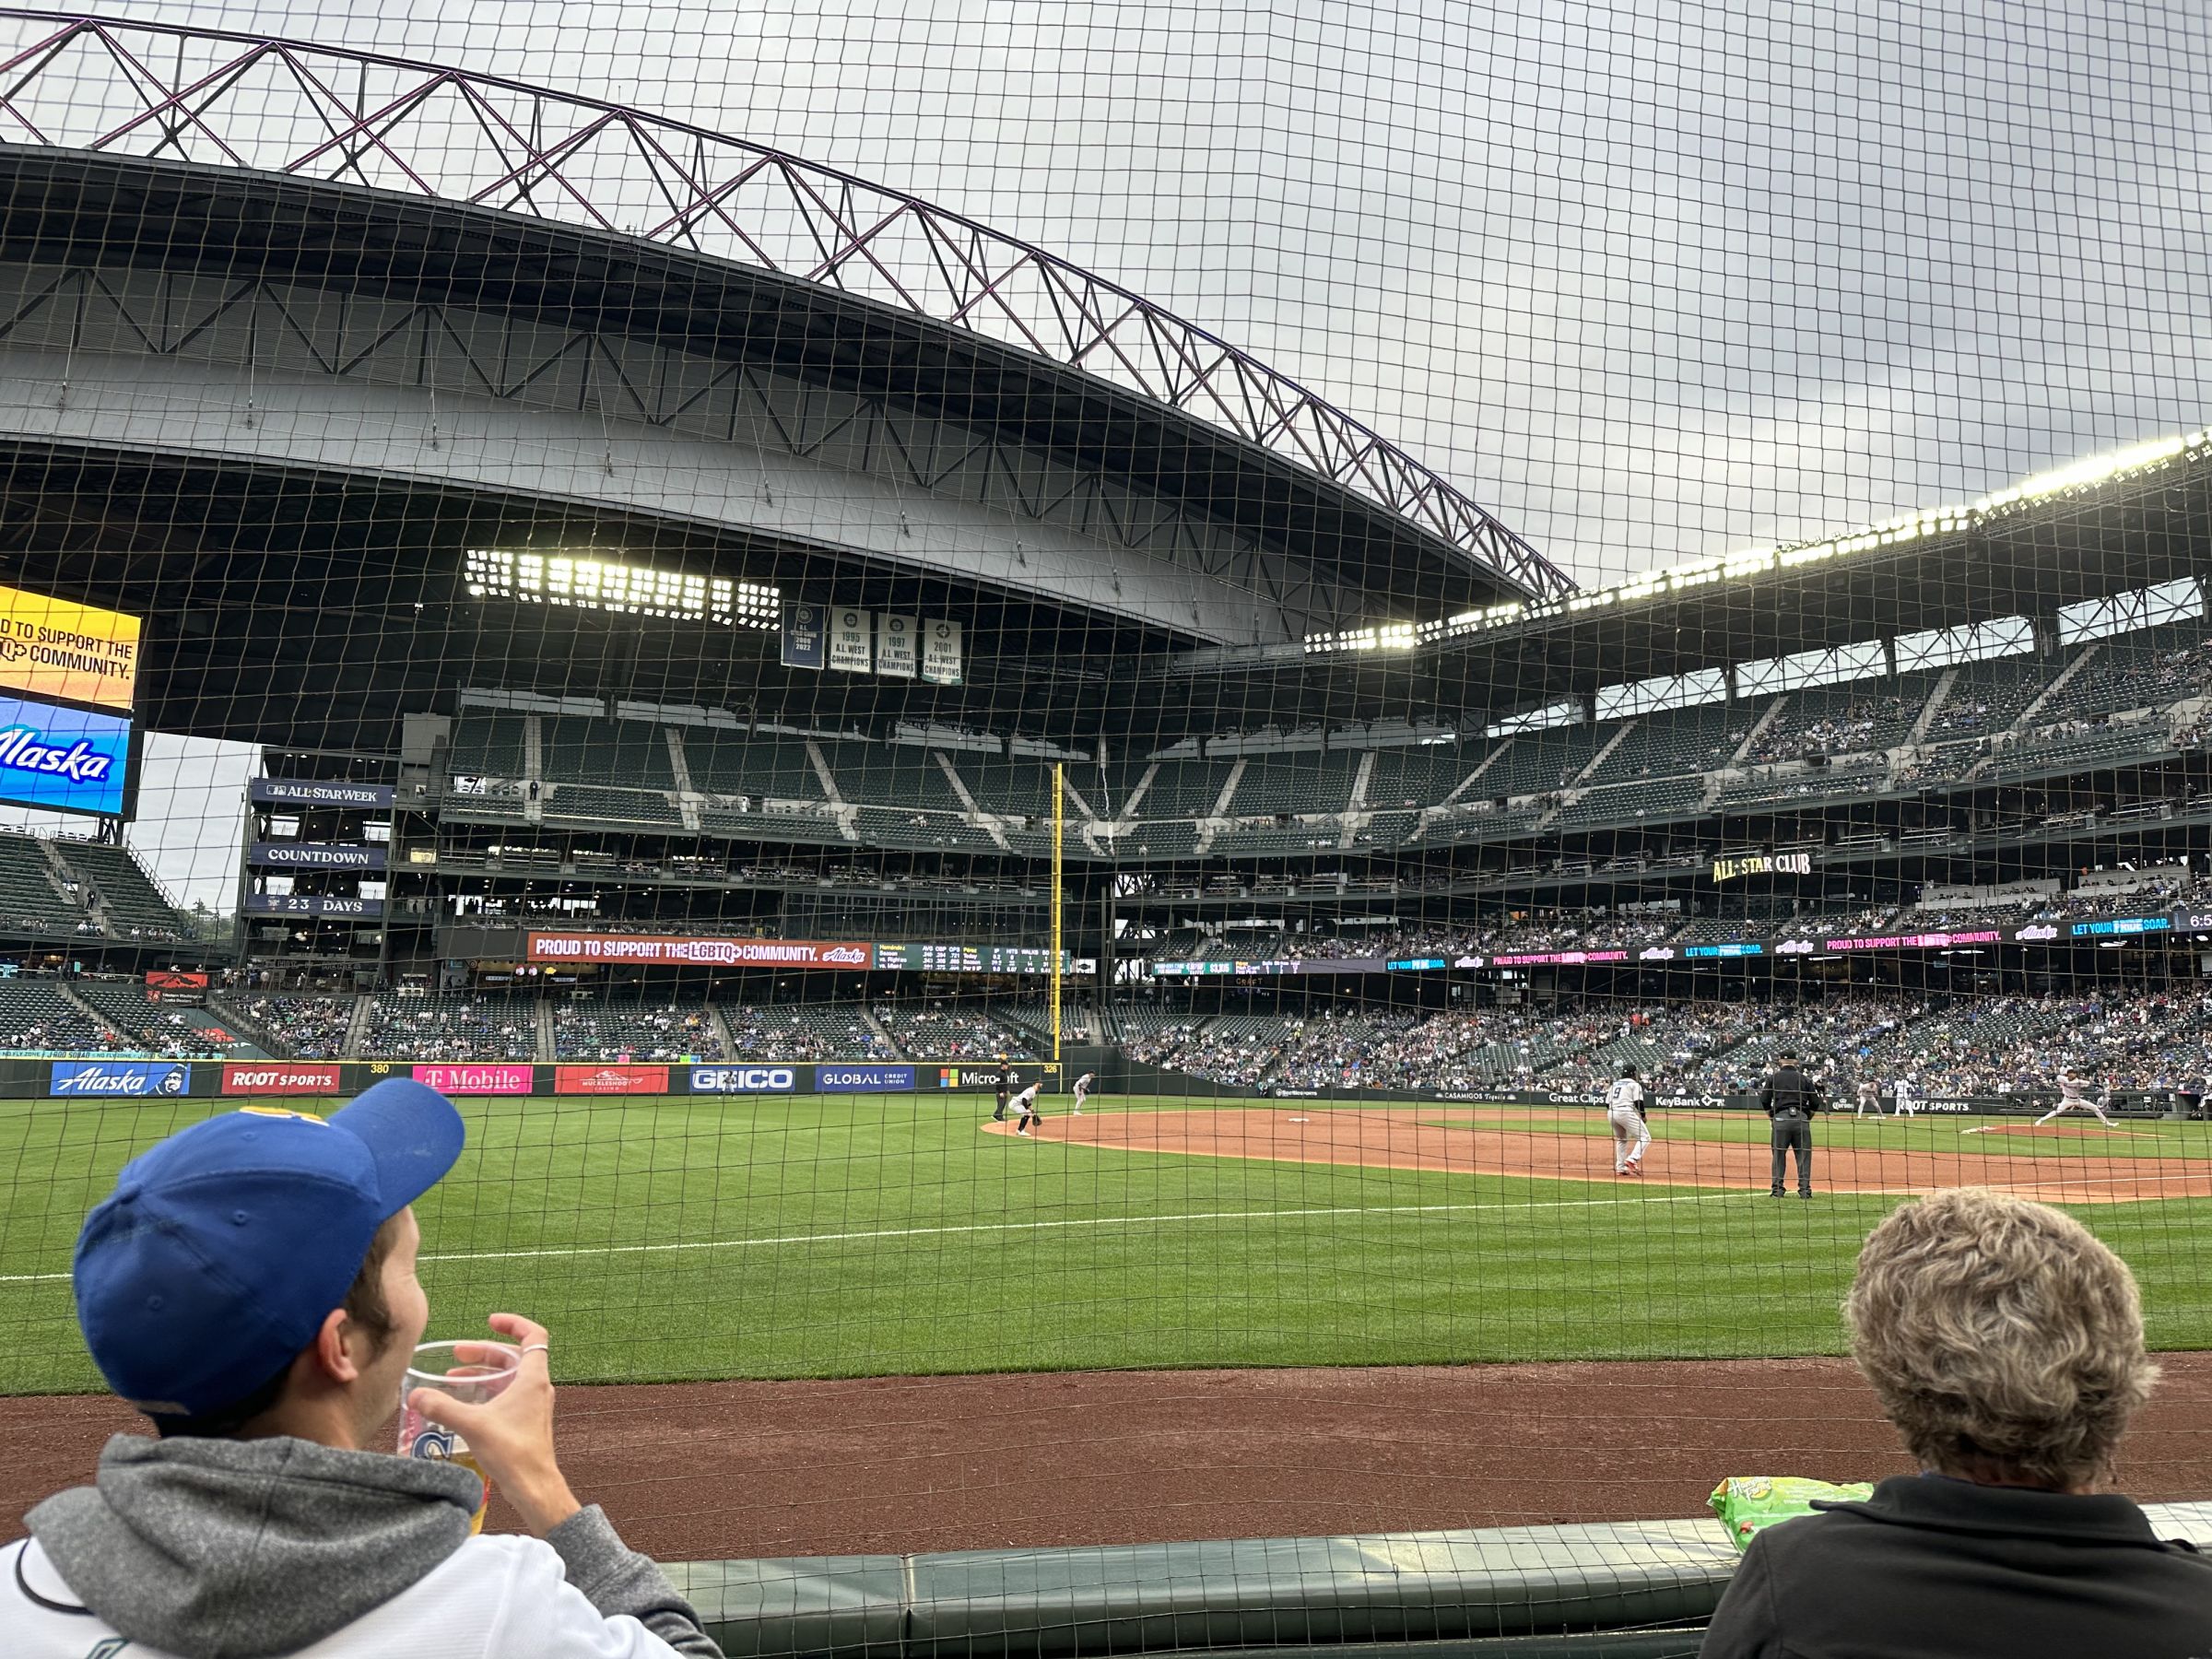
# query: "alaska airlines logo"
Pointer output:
{"type": "Point", "coordinates": [22, 750]}
{"type": "Point", "coordinates": [121, 1080]}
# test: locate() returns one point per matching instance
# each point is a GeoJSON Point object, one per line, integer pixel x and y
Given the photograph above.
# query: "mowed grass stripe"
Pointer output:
{"type": "Point", "coordinates": [634, 1227]}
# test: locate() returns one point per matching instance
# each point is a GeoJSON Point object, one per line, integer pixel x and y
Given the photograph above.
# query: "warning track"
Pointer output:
{"type": "Point", "coordinates": [1399, 1138]}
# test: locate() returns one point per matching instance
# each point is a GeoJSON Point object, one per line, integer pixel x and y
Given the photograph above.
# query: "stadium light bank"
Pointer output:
{"type": "Point", "coordinates": [2135, 460]}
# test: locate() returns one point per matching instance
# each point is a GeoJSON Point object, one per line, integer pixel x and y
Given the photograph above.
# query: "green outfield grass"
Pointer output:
{"type": "Point", "coordinates": [854, 1235]}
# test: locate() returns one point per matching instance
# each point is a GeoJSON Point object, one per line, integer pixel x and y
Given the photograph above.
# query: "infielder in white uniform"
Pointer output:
{"type": "Point", "coordinates": [1624, 1112]}
{"type": "Point", "coordinates": [1082, 1092]}
{"type": "Point", "coordinates": [1902, 1098]}
{"type": "Point", "coordinates": [1870, 1094]}
{"type": "Point", "coordinates": [1025, 1105]}
{"type": "Point", "coordinates": [2075, 1092]}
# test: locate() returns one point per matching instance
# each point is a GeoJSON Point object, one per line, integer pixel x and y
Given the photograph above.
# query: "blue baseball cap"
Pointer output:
{"type": "Point", "coordinates": [222, 1249]}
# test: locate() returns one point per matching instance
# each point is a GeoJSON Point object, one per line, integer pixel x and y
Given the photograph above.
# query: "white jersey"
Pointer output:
{"type": "Point", "coordinates": [1902, 1089]}
{"type": "Point", "coordinates": [2073, 1091]}
{"type": "Point", "coordinates": [1026, 1099]}
{"type": "Point", "coordinates": [1625, 1095]}
{"type": "Point", "coordinates": [1082, 1083]}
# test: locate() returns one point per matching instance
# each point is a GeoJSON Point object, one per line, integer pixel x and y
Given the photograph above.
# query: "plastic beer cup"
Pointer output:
{"type": "Point", "coordinates": [472, 1372]}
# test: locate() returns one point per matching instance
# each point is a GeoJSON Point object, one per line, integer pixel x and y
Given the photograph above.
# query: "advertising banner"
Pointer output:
{"type": "Point", "coordinates": [941, 652]}
{"type": "Point", "coordinates": [851, 635]}
{"type": "Point", "coordinates": [312, 904]}
{"type": "Point", "coordinates": [477, 1079]}
{"type": "Point", "coordinates": [295, 792]}
{"type": "Point", "coordinates": [79, 654]}
{"type": "Point", "coordinates": [898, 643]}
{"type": "Point", "coordinates": [610, 1079]}
{"type": "Point", "coordinates": [119, 1077]}
{"type": "Point", "coordinates": [280, 1078]}
{"type": "Point", "coordinates": [734, 953]}
{"type": "Point", "coordinates": [64, 759]}
{"type": "Point", "coordinates": [744, 1079]}
{"type": "Point", "coordinates": [171, 979]}
{"type": "Point", "coordinates": [802, 635]}
{"type": "Point", "coordinates": [863, 1079]}
{"type": "Point", "coordinates": [316, 856]}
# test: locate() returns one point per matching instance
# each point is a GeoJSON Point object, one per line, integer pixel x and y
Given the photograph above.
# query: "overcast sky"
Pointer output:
{"type": "Point", "coordinates": [1652, 281]}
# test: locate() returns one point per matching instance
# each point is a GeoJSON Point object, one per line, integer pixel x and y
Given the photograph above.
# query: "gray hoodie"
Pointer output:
{"type": "Point", "coordinates": [245, 1550]}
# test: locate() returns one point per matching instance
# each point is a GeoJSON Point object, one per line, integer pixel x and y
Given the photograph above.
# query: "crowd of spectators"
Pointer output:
{"type": "Point", "coordinates": [626, 1031]}
{"type": "Point", "coordinates": [811, 1031]}
{"type": "Point", "coordinates": [1850, 733]}
{"type": "Point", "coordinates": [311, 1028]}
{"type": "Point", "coordinates": [945, 1031]}
{"type": "Point", "coordinates": [451, 1029]}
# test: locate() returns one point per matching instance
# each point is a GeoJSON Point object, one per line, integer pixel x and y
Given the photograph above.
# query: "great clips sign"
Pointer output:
{"type": "Point", "coordinates": [678, 948]}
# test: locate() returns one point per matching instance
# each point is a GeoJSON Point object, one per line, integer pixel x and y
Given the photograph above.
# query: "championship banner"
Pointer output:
{"type": "Point", "coordinates": [75, 653]}
{"type": "Point", "coordinates": [294, 792]}
{"type": "Point", "coordinates": [802, 635]}
{"type": "Point", "coordinates": [677, 949]}
{"type": "Point", "coordinates": [941, 652]}
{"type": "Point", "coordinates": [280, 1078]}
{"type": "Point", "coordinates": [851, 635]}
{"type": "Point", "coordinates": [610, 1079]}
{"type": "Point", "coordinates": [897, 644]}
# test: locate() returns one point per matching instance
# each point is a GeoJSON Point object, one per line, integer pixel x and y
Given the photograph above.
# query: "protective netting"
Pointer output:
{"type": "Point", "coordinates": [668, 607]}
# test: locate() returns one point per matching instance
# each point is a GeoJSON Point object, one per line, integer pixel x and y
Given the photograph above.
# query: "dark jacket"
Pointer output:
{"type": "Point", "coordinates": [1790, 1090]}
{"type": "Point", "coordinates": [1947, 1569]}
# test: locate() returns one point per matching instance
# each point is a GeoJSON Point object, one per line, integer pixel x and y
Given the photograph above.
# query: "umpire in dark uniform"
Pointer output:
{"type": "Point", "coordinates": [1791, 1097]}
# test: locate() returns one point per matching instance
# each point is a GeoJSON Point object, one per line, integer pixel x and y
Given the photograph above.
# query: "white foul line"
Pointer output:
{"type": "Point", "coordinates": [997, 1226]}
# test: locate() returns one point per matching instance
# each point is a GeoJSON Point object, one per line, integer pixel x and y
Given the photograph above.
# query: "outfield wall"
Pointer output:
{"type": "Point", "coordinates": [23, 1080]}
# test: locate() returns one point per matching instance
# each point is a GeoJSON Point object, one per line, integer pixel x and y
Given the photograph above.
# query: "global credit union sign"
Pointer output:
{"type": "Point", "coordinates": [862, 1080]}
{"type": "Point", "coordinates": [743, 1080]}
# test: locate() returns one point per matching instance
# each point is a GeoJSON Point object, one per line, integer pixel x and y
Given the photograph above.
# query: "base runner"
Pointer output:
{"type": "Point", "coordinates": [1902, 1098]}
{"type": "Point", "coordinates": [1082, 1092]}
{"type": "Point", "coordinates": [1025, 1106]}
{"type": "Point", "coordinates": [2073, 1092]}
{"type": "Point", "coordinates": [1624, 1112]}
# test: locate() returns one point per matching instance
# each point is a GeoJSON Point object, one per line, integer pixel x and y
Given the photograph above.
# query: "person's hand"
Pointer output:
{"type": "Point", "coordinates": [512, 1437]}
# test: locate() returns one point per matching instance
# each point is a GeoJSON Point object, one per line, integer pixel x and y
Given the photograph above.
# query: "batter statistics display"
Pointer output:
{"type": "Point", "coordinates": [964, 958]}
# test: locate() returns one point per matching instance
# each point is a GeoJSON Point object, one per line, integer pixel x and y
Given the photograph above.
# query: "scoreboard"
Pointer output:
{"type": "Point", "coordinates": [964, 958]}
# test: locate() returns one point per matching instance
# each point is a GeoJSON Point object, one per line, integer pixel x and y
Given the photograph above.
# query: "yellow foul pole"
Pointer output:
{"type": "Point", "coordinates": [1059, 832]}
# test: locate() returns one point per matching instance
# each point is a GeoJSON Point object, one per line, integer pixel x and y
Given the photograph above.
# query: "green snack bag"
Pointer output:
{"type": "Point", "coordinates": [1749, 1503]}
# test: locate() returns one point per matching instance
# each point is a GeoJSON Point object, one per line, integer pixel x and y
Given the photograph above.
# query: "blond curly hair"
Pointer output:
{"type": "Point", "coordinates": [2000, 1335]}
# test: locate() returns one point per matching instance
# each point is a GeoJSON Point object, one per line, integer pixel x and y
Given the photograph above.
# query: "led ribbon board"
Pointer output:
{"type": "Point", "coordinates": [71, 653]}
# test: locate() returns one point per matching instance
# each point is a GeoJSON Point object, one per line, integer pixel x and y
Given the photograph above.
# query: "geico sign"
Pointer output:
{"type": "Point", "coordinates": [743, 1080]}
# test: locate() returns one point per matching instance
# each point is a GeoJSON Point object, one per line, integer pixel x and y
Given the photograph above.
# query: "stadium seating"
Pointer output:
{"type": "Point", "coordinates": [622, 753]}
{"type": "Point", "coordinates": [1626, 803]}
{"type": "Point", "coordinates": [302, 1027]}
{"type": "Point", "coordinates": [2071, 749]}
{"type": "Point", "coordinates": [737, 763]}
{"type": "Point", "coordinates": [1184, 789]}
{"type": "Point", "coordinates": [38, 1020]}
{"type": "Point", "coordinates": [803, 1031]}
{"type": "Point", "coordinates": [816, 826]}
{"type": "Point", "coordinates": [1536, 762]}
{"type": "Point", "coordinates": [1267, 836]}
{"type": "Point", "coordinates": [1155, 840]}
{"type": "Point", "coordinates": [634, 1031]}
{"type": "Point", "coordinates": [890, 774]}
{"type": "Point", "coordinates": [1021, 788]}
{"type": "Point", "coordinates": [1852, 719]}
{"type": "Point", "coordinates": [151, 1028]}
{"type": "Point", "coordinates": [903, 826]}
{"type": "Point", "coordinates": [1823, 783]}
{"type": "Point", "coordinates": [948, 1031]}
{"type": "Point", "coordinates": [29, 901]}
{"type": "Point", "coordinates": [488, 744]}
{"type": "Point", "coordinates": [446, 1028]}
{"type": "Point", "coordinates": [1318, 781]}
{"type": "Point", "coordinates": [1675, 741]}
{"type": "Point", "coordinates": [133, 905]}
{"type": "Point", "coordinates": [1421, 774]}
{"type": "Point", "coordinates": [1988, 697]}
{"type": "Point", "coordinates": [590, 804]}
{"type": "Point", "coordinates": [2135, 671]}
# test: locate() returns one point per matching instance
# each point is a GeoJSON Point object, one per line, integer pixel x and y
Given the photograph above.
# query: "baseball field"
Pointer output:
{"type": "Point", "coordinates": [687, 1239]}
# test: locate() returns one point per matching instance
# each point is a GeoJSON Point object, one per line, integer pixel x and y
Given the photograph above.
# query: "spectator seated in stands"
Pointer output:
{"type": "Point", "coordinates": [250, 1285]}
{"type": "Point", "coordinates": [2005, 1344]}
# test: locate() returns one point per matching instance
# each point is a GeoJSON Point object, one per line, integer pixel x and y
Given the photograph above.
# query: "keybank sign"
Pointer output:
{"type": "Point", "coordinates": [743, 1080]}
{"type": "Point", "coordinates": [68, 759]}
